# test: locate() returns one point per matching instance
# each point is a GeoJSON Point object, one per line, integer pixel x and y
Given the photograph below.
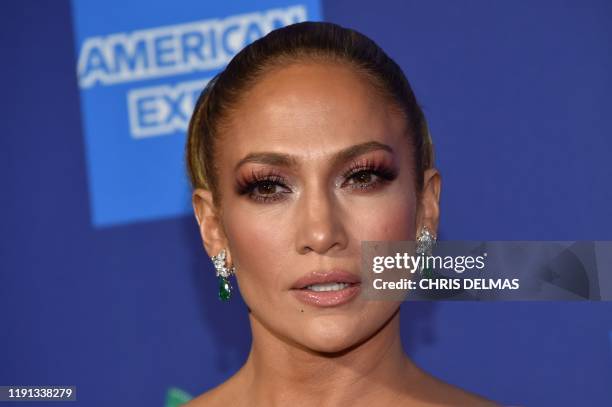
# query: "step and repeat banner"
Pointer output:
{"type": "Point", "coordinates": [140, 71]}
{"type": "Point", "coordinates": [106, 293]}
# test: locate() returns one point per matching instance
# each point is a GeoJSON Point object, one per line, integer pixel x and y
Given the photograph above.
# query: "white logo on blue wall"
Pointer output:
{"type": "Point", "coordinates": [169, 51]}
{"type": "Point", "coordinates": [176, 49]}
{"type": "Point", "coordinates": [140, 76]}
{"type": "Point", "coordinates": [162, 109]}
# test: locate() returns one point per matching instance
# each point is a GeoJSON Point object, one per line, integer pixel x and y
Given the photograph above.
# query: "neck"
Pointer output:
{"type": "Point", "coordinates": [278, 372]}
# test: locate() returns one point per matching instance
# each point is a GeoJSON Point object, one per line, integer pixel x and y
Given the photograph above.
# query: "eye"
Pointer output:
{"type": "Point", "coordinates": [369, 177]}
{"type": "Point", "coordinates": [267, 188]}
{"type": "Point", "coordinates": [268, 191]}
{"type": "Point", "coordinates": [363, 179]}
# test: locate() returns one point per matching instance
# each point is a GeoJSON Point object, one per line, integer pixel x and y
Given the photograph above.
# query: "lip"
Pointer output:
{"type": "Point", "coordinates": [327, 298]}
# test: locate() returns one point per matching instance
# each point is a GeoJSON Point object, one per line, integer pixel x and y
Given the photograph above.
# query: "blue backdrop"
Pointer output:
{"type": "Point", "coordinates": [517, 95]}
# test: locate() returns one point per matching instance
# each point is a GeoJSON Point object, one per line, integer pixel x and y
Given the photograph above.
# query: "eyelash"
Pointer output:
{"type": "Point", "coordinates": [384, 173]}
{"type": "Point", "coordinates": [256, 180]}
{"type": "Point", "coordinates": [272, 178]}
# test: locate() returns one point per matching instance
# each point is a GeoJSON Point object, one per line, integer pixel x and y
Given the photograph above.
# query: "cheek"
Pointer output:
{"type": "Point", "coordinates": [258, 250]}
{"type": "Point", "coordinates": [390, 218]}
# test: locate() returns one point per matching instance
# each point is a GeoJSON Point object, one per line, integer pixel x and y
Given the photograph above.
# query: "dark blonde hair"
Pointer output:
{"type": "Point", "coordinates": [315, 41]}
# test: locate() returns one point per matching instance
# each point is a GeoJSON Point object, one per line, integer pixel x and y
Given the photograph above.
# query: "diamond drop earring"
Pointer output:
{"type": "Point", "coordinates": [424, 247]}
{"type": "Point", "coordinates": [223, 273]}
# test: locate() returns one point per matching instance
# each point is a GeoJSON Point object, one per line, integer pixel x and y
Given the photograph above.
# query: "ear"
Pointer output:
{"type": "Point", "coordinates": [428, 213]}
{"type": "Point", "coordinates": [209, 222]}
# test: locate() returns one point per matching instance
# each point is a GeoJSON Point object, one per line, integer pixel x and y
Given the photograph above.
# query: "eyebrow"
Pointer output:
{"type": "Point", "coordinates": [287, 160]}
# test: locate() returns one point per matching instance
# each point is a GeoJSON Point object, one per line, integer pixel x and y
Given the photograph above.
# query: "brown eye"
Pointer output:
{"type": "Point", "coordinates": [266, 187]}
{"type": "Point", "coordinates": [363, 177]}
{"type": "Point", "coordinates": [368, 178]}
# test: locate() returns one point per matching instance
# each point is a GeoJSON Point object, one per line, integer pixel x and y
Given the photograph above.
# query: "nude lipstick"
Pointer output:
{"type": "Point", "coordinates": [327, 288]}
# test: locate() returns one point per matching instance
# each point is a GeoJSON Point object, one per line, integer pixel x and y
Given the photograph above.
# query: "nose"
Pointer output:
{"type": "Point", "coordinates": [320, 226]}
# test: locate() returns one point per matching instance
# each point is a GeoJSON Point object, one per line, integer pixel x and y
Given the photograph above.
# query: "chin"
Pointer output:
{"type": "Point", "coordinates": [331, 334]}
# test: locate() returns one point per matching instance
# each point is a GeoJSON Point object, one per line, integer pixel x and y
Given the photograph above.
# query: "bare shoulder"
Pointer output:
{"type": "Point", "coordinates": [435, 392]}
{"type": "Point", "coordinates": [222, 396]}
{"type": "Point", "coordinates": [455, 396]}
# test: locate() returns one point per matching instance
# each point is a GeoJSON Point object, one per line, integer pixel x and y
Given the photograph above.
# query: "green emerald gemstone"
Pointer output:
{"type": "Point", "coordinates": [224, 289]}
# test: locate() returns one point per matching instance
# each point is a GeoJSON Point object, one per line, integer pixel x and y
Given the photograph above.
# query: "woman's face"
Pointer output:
{"type": "Point", "coordinates": [312, 162]}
